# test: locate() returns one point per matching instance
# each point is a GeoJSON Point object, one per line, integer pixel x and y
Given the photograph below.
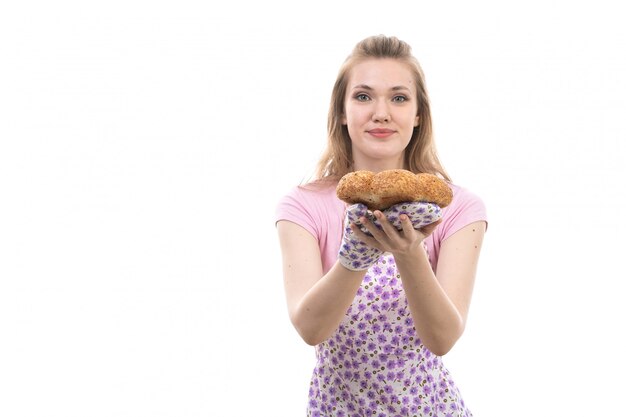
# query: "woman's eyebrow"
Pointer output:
{"type": "Point", "coordinates": [368, 88]}
{"type": "Point", "coordinates": [362, 87]}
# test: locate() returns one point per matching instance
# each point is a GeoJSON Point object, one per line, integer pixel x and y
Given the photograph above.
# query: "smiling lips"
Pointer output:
{"type": "Point", "coordinates": [381, 133]}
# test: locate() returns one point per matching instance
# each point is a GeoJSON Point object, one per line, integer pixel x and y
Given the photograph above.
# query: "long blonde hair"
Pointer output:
{"type": "Point", "coordinates": [420, 154]}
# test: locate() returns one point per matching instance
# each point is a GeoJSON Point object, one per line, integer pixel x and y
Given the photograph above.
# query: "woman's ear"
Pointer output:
{"type": "Point", "coordinates": [417, 121]}
{"type": "Point", "coordinates": [344, 121]}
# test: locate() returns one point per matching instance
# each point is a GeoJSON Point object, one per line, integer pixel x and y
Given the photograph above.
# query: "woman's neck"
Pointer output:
{"type": "Point", "coordinates": [378, 166]}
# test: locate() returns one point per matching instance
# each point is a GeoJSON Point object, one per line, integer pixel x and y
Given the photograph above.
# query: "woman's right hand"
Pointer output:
{"type": "Point", "coordinates": [354, 253]}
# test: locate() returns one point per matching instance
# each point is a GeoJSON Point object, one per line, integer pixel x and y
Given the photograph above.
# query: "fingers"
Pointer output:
{"type": "Point", "coordinates": [382, 230]}
{"type": "Point", "coordinates": [420, 213]}
{"type": "Point", "coordinates": [392, 225]}
{"type": "Point", "coordinates": [395, 228]}
{"type": "Point", "coordinates": [393, 235]}
{"type": "Point", "coordinates": [407, 225]}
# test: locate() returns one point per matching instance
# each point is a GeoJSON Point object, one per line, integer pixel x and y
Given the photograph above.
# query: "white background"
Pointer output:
{"type": "Point", "coordinates": [144, 146]}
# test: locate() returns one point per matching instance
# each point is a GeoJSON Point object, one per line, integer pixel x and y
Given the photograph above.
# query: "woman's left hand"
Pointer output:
{"type": "Point", "coordinates": [388, 238]}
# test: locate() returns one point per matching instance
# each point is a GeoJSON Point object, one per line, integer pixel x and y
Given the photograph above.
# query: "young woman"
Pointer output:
{"type": "Point", "coordinates": [379, 333]}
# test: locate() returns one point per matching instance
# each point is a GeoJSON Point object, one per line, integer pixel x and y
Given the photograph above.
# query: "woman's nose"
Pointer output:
{"type": "Point", "coordinates": [381, 112]}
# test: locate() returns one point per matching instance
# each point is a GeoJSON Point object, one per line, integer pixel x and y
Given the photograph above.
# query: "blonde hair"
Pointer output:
{"type": "Point", "coordinates": [420, 154]}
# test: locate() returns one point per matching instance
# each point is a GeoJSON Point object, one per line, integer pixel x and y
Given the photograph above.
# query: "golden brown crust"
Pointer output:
{"type": "Point", "coordinates": [382, 190]}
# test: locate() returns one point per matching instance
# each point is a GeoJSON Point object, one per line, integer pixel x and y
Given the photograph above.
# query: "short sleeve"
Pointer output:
{"type": "Point", "coordinates": [466, 208]}
{"type": "Point", "coordinates": [292, 207]}
{"type": "Point", "coordinates": [318, 210]}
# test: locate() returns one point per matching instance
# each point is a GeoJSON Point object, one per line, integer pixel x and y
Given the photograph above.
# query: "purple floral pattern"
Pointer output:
{"type": "Point", "coordinates": [375, 364]}
{"type": "Point", "coordinates": [353, 253]}
{"type": "Point", "coordinates": [357, 256]}
{"type": "Point", "coordinates": [420, 213]}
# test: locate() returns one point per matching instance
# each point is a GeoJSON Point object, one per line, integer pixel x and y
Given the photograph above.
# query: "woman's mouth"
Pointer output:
{"type": "Point", "coordinates": [381, 133]}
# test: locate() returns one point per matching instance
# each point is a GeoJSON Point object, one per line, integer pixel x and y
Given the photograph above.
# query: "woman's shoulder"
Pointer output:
{"type": "Point", "coordinates": [314, 195]}
{"type": "Point", "coordinates": [309, 205]}
{"type": "Point", "coordinates": [466, 204]}
{"type": "Point", "coordinates": [462, 192]}
{"type": "Point", "coordinates": [313, 190]}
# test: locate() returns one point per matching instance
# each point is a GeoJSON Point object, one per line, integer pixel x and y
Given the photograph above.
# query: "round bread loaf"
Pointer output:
{"type": "Point", "coordinates": [379, 191]}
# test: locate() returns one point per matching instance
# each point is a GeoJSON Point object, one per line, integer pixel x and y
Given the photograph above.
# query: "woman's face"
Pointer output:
{"type": "Point", "coordinates": [380, 113]}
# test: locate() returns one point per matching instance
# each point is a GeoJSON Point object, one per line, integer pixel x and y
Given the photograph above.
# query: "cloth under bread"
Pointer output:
{"type": "Point", "coordinates": [355, 254]}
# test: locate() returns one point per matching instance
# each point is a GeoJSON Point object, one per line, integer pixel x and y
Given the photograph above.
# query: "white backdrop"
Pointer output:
{"type": "Point", "coordinates": [144, 146]}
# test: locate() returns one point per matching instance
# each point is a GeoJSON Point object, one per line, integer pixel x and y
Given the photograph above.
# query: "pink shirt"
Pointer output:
{"type": "Point", "coordinates": [321, 213]}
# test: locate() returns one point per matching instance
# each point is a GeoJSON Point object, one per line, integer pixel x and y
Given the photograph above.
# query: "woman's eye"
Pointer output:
{"type": "Point", "coordinates": [399, 99]}
{"type": "Point", "coordinates": [362, 97]}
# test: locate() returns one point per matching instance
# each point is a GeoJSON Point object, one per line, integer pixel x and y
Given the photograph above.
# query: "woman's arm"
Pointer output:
{"type": "Point", "coordinates": [316, 302]}
{"type": "Point", "coordinates": [439, 304]}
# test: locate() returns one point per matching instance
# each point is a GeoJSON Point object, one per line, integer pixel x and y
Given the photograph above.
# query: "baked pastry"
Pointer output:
{"type": "Point", "coordinates": [379, 191]}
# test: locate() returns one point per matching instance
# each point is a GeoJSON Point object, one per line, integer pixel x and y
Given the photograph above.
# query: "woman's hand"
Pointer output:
{"type": "Point", "coordinates": [355, 254]}
{"type": "Point", "coordinates": [387, 238]}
